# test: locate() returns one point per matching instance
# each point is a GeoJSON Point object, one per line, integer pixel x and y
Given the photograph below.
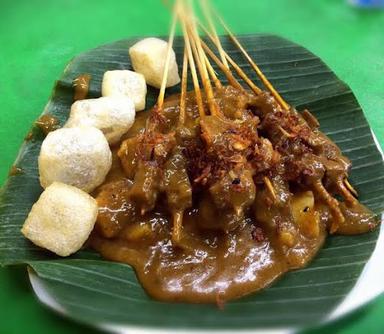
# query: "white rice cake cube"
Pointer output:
{"type": "Point", "coordinates": [78, 156]}
{"type": "Point", "coordinates": [113, 115]}
{"type": "Point", "coordinates": [125, 83]}
{"type": "Point", "coordinates": [148, 57]}
{"type": "Point", "coordinates": [62, 219]}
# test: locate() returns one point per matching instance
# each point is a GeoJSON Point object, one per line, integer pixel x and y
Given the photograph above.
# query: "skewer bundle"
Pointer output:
{"type": "Point", "coordinates": [273, 147]}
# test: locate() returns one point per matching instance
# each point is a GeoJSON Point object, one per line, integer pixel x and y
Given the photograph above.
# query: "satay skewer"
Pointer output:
{"type": "Point", "coordinates": [209, 68]}
{"type": "Point", "coordinates": [195, 79]}
{"type": "Point", "coordinates": [333, 204]}
{"type": "Point", "coordinates": [237, 68]}
{"type": "Point", "coordinates": [319, 188]}
{"type": "Point", "coordinates": [344, 187]}
{"type": "Point", "coordinates": [184, 79]}
{"type": "Point", "coordinates": [346, 192]}
{"type": "Point", "coordinates": [160, 99]}
{"type": "Point", "coordinates": [212, 73]}
{"type": "Point", "coordinates": [188, 58]}
{"type": "Point", "coordinates": [231, 79]}
{"type": "Point", "coordinates": [350, 188]}
{"type": "Point", "coordinates": [177, 217]}
{"type": "Point", "coordinates": [256, 68]}
{"type": "Point", "coordinates": [285, 133]}
{"type": "Point", "coordinates": [214, 38]}
{"type": "Point", "coordinates": [199, 62]}
{"type": "Point", "coordinates": [203, 58]}
{"type": "Point", "coordinates": [270, 187]}
{"type": "Point", "coordinates": [199, 56]}
{"type": "Point", "coordinates": [207, 14]}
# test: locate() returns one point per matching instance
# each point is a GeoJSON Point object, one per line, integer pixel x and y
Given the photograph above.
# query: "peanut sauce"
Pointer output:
{"type": "Point", "coordinates": [209, 264]}
{"type": "Point", "coordinates": [29, 136]}
{"type": "Point", "coordinates": [81, 85]}
{"type": "Point", "coordinates": [15, 171]}
{"type": "Point", "coordinates": [47, 123]}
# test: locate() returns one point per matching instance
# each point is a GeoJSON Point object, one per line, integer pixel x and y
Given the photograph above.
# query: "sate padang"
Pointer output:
{"type": "Point", "coordinates": [222, 205]}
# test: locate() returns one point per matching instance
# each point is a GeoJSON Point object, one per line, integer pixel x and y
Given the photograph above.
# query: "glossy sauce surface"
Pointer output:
{"type": "Point", "coordinates": [210, 266]}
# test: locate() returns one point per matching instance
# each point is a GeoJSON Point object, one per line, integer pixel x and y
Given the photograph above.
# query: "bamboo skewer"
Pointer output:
{"type": "Point", "coordinates": [212, 73]}
{"type": "Point", "coordinates": [345, 192]}
{"type": "Point", "coordinates": [184, 79]}
{"type": "Point", "coordinates": [203, 72]}
{"type": "Point", "coordinates": [160, 99]}
{"type": "Point", "coordinates": [237, 68]}
{"type": "Point", "coordinates": [345, 186]}
{"type": "Point", "coordinates": [285, 133]}
{"type": "Point", "coordinates": [177, 217]}
{"type": "Point", "coordinates": [195, 79]}
{"type": "Point", "coordinates": [207, 14]}
{"type": "Point", "coordinates": [243, 76]}
{"type": "Point", "coordinates": [224, 66]}
{"type": "Point", "coordinates": [196, 52]}
{"type": "Point", "coordinates": [202, 57]}
{"type": "Point", "coordinates": [231, 79]}
{"type": "Point", "coordinates": [199, 55]}
{"type": "Point", "coordinates": [350, 188]}
{"type": "Point", "coordinates": [270, 187]}
{"type": "Point", "coordinates": [332, 203]}
{"type": "Point", "coordinates": [256, 68]}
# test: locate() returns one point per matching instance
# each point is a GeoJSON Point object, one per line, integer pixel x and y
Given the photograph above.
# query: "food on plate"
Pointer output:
{"type": "Point", "coordinates": [113, 115]}
{"type": "Point", "coordinates": [222, 206]}
{"type": "Point", "coordinates": [125, 83]}
{"type": "Point", "coordinates": [148, 57]}
{"type": "Point", "coordinates": [213, 193]}
{"type": "Point", "coordinates": [221, 190]}
{"type": "Point", "coordinates": [62, 219]}
{"type": "Point", "coordinates": [79, 156]}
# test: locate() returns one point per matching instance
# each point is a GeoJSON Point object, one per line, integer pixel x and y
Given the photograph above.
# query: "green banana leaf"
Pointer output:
{"type": "Point", "coordinates": [97, 292]}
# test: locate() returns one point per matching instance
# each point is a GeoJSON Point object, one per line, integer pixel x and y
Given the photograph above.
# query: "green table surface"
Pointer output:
{"type": "Point", "coordinates": [38, 38]}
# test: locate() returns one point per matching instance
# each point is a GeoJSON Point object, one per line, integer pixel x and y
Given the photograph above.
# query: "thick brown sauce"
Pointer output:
{"type": "Point", "coordinates": [47, 123]}
{"type": "Point", "coordinates": [81, 86]}
{"type": "Point", "coordinates": [15, 171]}
{"type": "Point", "coordinates": [211, 266]}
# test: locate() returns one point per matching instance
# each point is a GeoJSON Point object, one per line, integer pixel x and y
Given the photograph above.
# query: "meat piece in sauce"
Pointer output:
{"type": "Point", "coordinates": [230, 198]}
{"type": "Point", "coordinates": [115, 208]}
{"type": "Point", "coordinates": [234, 194]}
{"type": "Point", "coordinates": [152, 151]}
{"type": "Point", "coordinates": [128, 156]}
{"type": "Point", "coordinates": [307, 153]}
{"type": "Point", "coordinates": [146, 186]}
